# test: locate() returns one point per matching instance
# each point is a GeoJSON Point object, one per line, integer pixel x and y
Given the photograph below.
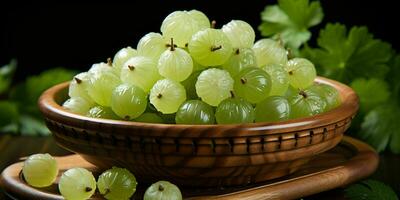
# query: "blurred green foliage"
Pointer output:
{"type": "Point", "coordinates": [19, 113]}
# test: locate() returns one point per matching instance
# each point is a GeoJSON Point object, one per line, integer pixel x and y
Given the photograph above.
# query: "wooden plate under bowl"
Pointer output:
{"type": "Point", "coordinates": [350, 161]}
{"type": "Point", "coordinates": [199, 155]}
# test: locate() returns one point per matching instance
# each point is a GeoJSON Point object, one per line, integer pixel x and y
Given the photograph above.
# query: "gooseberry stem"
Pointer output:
{"type": "Point", "coordinates": [172, 45]}
{"type": "Point", "coordinates": [79, 81]}
{"type": "Point", "coordinates": [232, 94]}
{"type": "Point", "coordinates": [302, 93]}
{"type": "Point", "coordinates": [237, 52]}
{"type": "Point", "coordinates": [213, 48]}
{"type": "Point", "coordinates": [213, 23]}
{"type": "Point", "coordinates": [131, 67]}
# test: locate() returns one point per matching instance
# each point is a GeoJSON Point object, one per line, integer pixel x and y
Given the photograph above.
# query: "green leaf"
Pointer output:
{"type": "Point", "coordinates": [32, 126]}
{"type": "Point", "coordinates": [6, 75]}
{"type": "Point", "coordinates": [36, 85]}
{"type": "Point", "coordinates": [370, 190]}
{"type": "Point", "coordinates": [394, 76]}
{"type": "Point", "coordinates": [344, 55]}
{"type": "Point", "coordinates": [380, 125]}
{"type": "Point", "coordinates": [290, 20]}
{"type": "Point", "coordinates": [372, 92]}
{"type": "Point", "coordinates": [8, 113]}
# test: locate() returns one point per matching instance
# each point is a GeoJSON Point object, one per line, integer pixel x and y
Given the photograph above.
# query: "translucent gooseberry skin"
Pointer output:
{"type": "Point", "coordinates": [234, 111]}
{"type": "Point", "coordinates": [103, 67]}
{"type": "Point", "coordinates": [181, 26]}
{"type": "Point", "coordinates": [77, 184]}
{"type": "Point", "coordinates": [279, 79]}
{"type": "Point", "coordinates": [240, 33]}
{"type": "Point", "coordinates": [201, 19]}
{"type": "Point", "coordinates": [210, 47]}
{"type": "Point", "coordinates": [195, 112]}
{"type": "Point", "coordinates": [78, 86]}
{"type": "Point", "coordinates": [140, 71]}
{"type": "Point", "coordinates": [306, 103]}
{"type": "Point", "coordinates": [122, 56]}
{"type": "Point", "coordinates": [240, 59]}
{"type": "Point", "coordinates": [273, 109]}
{"type": "Point", "coordinates": [102, 112]}
{"type": "Point", "coordinates": [269, 52]}
{"type": "Point", "coordinates": [152, 45]}
{"type": "Point", "coordinates": [40, 170]}
{"type": "Point", "coordinates": [253, 84]}
{"type": "Point", "coordinates": [214, 85]}
{"type": "Point", "coordinates": [328, 93]}
{"type": "Point", "coordinates": [167, 95]}
{"type": "Point", "coordinates": [100, 87]}
{"type": "Point", "coordinates": [175, 64]}
{"type": "Point", "coordinates": [78, 105]}
{"type": "Point", "coordinates": [117, 184]}
{"type": "Point", "coordinates": [301, 73]}
{"type": "Point", "coordinates": [163, 190]}
{"type": "Point", "coordinates": [128, 101]}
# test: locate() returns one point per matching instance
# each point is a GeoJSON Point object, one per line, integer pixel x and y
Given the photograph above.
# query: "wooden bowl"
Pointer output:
{"type": "Point", "coordinates": [199, 155]}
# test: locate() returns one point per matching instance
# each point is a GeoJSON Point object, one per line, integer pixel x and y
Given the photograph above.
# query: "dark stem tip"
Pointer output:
{"type": "Point", "coordinates": [159, 95]}
{"type": "Point", "coordinates": [289, 53]}
{"type": "Point", "coordinates": [172, 46]}
{"type": "Point", "coordinates": [77, 80]}
{"type": "Point", "coordinates": [232, 94]}
{"type": "Point", "coordinates": [243, 80]}
{"type": "Point", "coordinates": [302, 93]}
{"type": "Point", "coordinates": [160, 188]}
{"type": "Point", "coordinates": [237, 52]}
{"type": "Point", "coordinates": [131, 67]}
{"type": "Point", "coordinates": [213, 48]}
{"type": "Point", "coordinates": [213, 23]}
{"type": "Point", "coordinates": [109, 62]}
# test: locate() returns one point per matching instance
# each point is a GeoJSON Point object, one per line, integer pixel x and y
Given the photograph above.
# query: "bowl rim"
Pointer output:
{"type": "Point", "coordinates": [348, 108]}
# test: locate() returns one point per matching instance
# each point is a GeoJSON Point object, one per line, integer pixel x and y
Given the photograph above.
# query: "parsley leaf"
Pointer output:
{"type": "Point", "coordinates": [370, 190]}
{"type": "Point", "coordinates": [344, 55]}
{"type": "Point", "coordinates": [372, 92]}
{"type": "Point", "coordinates": [381, 128]}
{"type": "Point", "coordinates": [290, 20]}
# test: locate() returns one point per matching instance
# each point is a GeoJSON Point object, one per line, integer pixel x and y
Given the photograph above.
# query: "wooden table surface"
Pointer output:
{"type": "Point", "coordinates": [12, 148]}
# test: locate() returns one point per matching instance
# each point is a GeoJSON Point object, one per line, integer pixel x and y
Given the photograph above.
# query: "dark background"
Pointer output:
{"type": "Point", "coordinates": [76, 35]}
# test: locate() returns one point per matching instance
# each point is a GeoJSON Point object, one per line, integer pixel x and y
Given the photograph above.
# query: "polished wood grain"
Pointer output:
{"type": "Point", "coordinates": [350, 161]}
{"type": "Point", "coordinates": [199, 155]}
